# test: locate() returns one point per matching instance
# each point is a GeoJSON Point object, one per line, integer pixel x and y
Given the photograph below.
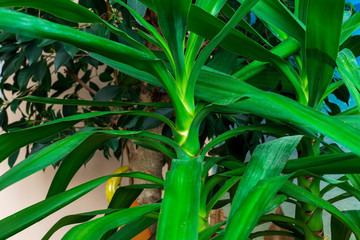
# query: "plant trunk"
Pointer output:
{"type": "Point", "coordinates": [180, 206]}
{"type": "Point", "coordinates": [147, 161]}
{"type": "Point", "coordinates": [309, 213]}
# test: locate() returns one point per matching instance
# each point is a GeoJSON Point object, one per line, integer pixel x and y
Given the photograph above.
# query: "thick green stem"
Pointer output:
{"type": "Point", "coordinates": [309, 213]}
{"type": "Point", "coordinates": [180, 206]}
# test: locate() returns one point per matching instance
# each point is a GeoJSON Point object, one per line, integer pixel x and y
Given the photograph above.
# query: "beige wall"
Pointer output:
{"type": "Point", "coordinates": [34, 188]}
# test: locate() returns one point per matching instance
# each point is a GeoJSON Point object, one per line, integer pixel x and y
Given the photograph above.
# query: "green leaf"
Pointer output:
{"type": "Point", "coordinates": [259, 185]}
{"type": "Point", "coordinates": [275, 13]}
{"type": "Point", "coordinates": [208, 232]}
{"type": "Point", "coordinates": [42, 159]}
{"type": "Point", "coordinates": [129, 70]}
{"type": "Point", "coordinates": [182, 209]}
{"type": "Point", "coordinates": [220, 193]}
{"type": "Point", "coordinates": [132, 229]}
{"type": "Point", "coordinates": [12, 141]}
{"type": "Point", "coordinates": [339, 163]}
{"type": "Point", "coordinates": [205, 53]}
{"type": "Point", "coordinates": [61, 58]}
{"type": "Point", "coordinates": [32, 52]}
{"type": "Point", "coordinates": [73, 219]}
{"type": "Point", "coordinates": [73, 12]}
{"type": "Point", "coordinates": [138, 7]}
{"type": "Point", "coordinates": [253, 207]}
{"type": "Point", "coordinates": [275, 106]}
{"type": "Point", "coordinates": [349, 27]}
{"type": "Point", "coordinates": [77, 102]}
{"type": "Point", "coordinates": [350, 73]}
{"type": "Point", "coordinates": [339, 230]}
{"type": "Point", "coordinates": [173, 16]}
{"type": "Point", "coordinates": [52, 154]}
{"type": "Point", "coordinates": [123, 198]}
{"type": "Point", "coordinates": [24, 77]}
{"type": "Point", "coordinates": [73, 161]}
{"type": "Point", "coordinates": [301, 194]}
{"type": "Point", "coordinates": [65, 9]}
{"type": "Point", "coordinates": [96, 228]}
{"type": "Point", "coordinates": [28, 216]}
{"type": "Point", "coordinates": [38, 28]}
{"type": "Point", "coordinates": [322, 45]}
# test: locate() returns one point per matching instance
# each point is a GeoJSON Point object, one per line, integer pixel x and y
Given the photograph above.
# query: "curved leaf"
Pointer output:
{"type": "Point", "coordinates": [28, 216]}
{"type": "Point", "coordinates": [12, 21]}
{"type": "Point", "coordinates": [96, 228]}
{"type": "Point", "coordinates": [301, 194]}
{"type": "Point", "coordinates": [72, 219]}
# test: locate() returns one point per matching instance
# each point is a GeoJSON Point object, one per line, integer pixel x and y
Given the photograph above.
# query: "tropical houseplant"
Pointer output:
{"type": "Point", "coordinates": [287, 85]}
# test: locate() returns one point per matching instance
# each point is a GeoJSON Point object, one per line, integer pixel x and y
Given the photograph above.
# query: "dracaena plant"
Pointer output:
{"type": "Point", "coordinates": [313, 41]}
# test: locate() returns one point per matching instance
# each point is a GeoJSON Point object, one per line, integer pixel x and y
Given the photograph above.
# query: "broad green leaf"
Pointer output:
{"type": "Point", "coordinates": [73, 219]}
{"type": "Point", "coordinates": [132, 229]}
{"type": "Point", "coordinates": [275, 106]}
{"type": "Point", "coordinates": [12, 141]}
{"type": "Point", "coordinates": [129, 70]}
{"type": "Point", "coordinates": [208, 26]}
{"type": "Point", "coordinates": [173, 16]}
{"type": "Point", "coordinates": [123, 198]}
{"type": "Point", "coordinates": [182, 209]}
{"type": "Point", "coordinates": [301, 9]}
{"type": "Point", "coordinates": [42, 159]}
{"type": "Point", "coordinates": [253, 207]}
{"type": "Point", "coordinates": [73, 162]}
{"type": "Point", "coordinates": [28, 216]}
{"type": "Point", "coordinates": [322, 44]}
{"type": "Point", "coordinates": [205, 53]}
{"type": "Point", "coordinates": [259, 185]}
{"type": "Point", "coordinates": [73, 12]}
{"type": "Point", "coordinates": [12, 21]}
{"type": "Point", "coordinates": [65, 9]}
{"type": "Point", "coordinates": [60, 149]}
{"type": "Point", "coordinates": [349, 27]}
{"type": "Point", "coordinates": [339, 163]}
{"type": "Point", "coordinates": [283, 50]}
{"type": "Point", "coordinates": [301, 194]}
{"type": "Point", "coordinates": [339, 230]}
{"type": "Point", "coordinates": [350, 73]}
{"type": "Point", "coordinates": [275, 13]}
{"type": "Point", "coordinates": [96, 228]}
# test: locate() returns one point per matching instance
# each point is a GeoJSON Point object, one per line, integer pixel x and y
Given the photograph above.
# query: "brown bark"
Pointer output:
{"type": "Point", "coordinates": [147, 161]}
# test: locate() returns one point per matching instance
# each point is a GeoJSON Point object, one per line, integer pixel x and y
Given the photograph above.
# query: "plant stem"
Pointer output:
{"type": "Point", "coordinates": [309, 213]}
{"type": "Point", "coordinates": [180, 206]}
